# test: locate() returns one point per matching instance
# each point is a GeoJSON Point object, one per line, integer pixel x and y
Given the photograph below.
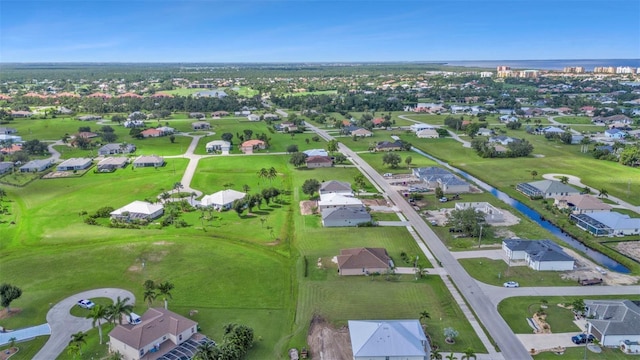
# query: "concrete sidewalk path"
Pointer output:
{"type": "Point", "coordinates": [25, 334]}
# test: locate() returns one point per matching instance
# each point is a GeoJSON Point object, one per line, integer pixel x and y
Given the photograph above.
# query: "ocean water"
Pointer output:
{"type": "Point", "coordinates": [588, 64]}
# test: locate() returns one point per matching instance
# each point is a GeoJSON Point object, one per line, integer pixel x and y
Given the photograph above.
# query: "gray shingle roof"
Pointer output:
{"type": "Point", "coordinates": [538, 250]}
{"type": "Point", "coordinates": [614, 317]}
{"type": "Point", "coordinates": [346, 213]}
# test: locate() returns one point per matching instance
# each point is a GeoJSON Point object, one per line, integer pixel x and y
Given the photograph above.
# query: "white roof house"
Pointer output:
{"type": "Point", "coordinates": [428, 134]}
{"type": "Point", "coordinates": [218, 145]}
{"type": "Point", "coordinates": [388, 339]}
{"type": "Point", "coordinates": [328, 201]}
{"type": "Point", "coordinates": [420, 126]}
{"type": "Point", "coordinates": [222, 200]}
{"type": "Point", "coordinates": [138, 210]}
{"type": "Point", "coordinates": [315, 152]}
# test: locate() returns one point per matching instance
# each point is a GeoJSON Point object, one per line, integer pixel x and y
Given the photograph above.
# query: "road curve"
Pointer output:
{"type": "Point", "coordinates": [485, 310]}
{"type": "Point", "coordinates": [63, 324]}
{"type": "Point", "coordinates": [496, 294]}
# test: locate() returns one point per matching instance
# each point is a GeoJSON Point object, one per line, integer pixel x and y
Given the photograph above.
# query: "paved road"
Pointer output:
{"type": "Point", "coordinates": [63, 324]}
{"type": "Point", "coordinates": [574, 180]}
{"type": "Point", "coordinates": [496, 294]}
{"type": "Point", "coordinates": [484, 309]}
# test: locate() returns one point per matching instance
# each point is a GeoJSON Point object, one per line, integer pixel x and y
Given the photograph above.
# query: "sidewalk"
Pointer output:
{"type": "Point", "coordinates": [25, 334]}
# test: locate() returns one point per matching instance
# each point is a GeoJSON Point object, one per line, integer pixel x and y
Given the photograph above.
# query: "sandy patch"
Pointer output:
{"type": "Point", "coordinates": [327, 342]}
{"type": "Point", "coordinates": [7, 353]}
{"type": "Point", "coordinates": [586, 269]}
{"type": "Point", "coordinates": [308, 207]}
{"type": "Point", "coordinates": [375, 202]}
{"type": "Point", "coordinates": [538, 155]}
{"type": "Point", "coordinates": [630, 248]}
{"type": "Point", "coordinates": [134, 268]}
{"type": "Point", "coordinates": [14, 311]}
{"type": "Point", "coordinates": [162, 243]}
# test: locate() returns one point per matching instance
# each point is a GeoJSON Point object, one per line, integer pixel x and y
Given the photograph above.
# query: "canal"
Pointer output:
{"type": "Point", "coordinates": [533, 215]}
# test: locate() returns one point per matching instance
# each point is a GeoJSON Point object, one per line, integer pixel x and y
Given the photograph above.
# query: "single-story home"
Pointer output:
{"type": "Point", "coordinates": [503, 140]}
{"type": "Point", "coordinates": [344, 216]}
{"type": "Point", "coordinates": [607, 223]}
{"type": "Point", "coordinates": [133, 123]}
{"type": "Point", "coordinates": [7, 131]}
{"type": "Point", "coordinates": [75, 164]}
{"type": "Point", "coordinates": [270, 116]}
{"type": "Point", "coordinates": [508, 118]}
{"type": "Point", "coordinates": [581, 204]}
{"type": "Point", "coordinates": [389, 145]}
{"type": "Point", "coordinates": [613, 322]}
{"type": "Point", "coordinates": [219, 114]}
{"type": "Point", "coordinates": [156, 326]}
{"type": "Point", "coordinates": [110, 149]}
{"type": "Point", "coordinates": [13, 148]}
{"type": "Point", "coordinates": [13, 139]}
{"type": "Point", "coordinates": [546, 189]}
{"type": "Point", "coordinates": [200, 125]}
{"type": "Point", "coordinates": [89, 117]}
{"type": "Point", "coordinates": [253, 117]}
{"type": "Point", "coordinates": [36, 165]}
{"type": "Point", "coordinates": [335, 187]}
{"type": "Point", "coordinates": [147, 133]}
{"type": "Point", "coordinates": [316, 152]}
{"type": "Point", "coordinates": [428, 134]}
{"type": "Point", "coordinates": [552, 130]}
{"type": "Point", "coordinates": [361, 133]}
{"type": "Point", "coordinates": [110, 164]}
{"type": "Point", "coordinates": [218, 145]}
{"type": "Point", "coordinates": [138, 210]}
{"type": "Point", "coordinates": [148, 161]}
{"type": "Point", "coordinates": [5, 167]}
{"type": "Point", "coordinates": [541, 255]}
{"type": "Point", "coordinates": [615, 133]}
{"type": "Point", "coordinates": [484, 132]}
{"type": "Point", "coordinates": [491, 213]}
{"type": "Point", "coordinates": [196, 115]}
{"type": "Point", "coordinates": [334, 200]}
{"type": "Point", "coordinates": [612, 119]}
{"type": "Point", "coordinates": [286, 127]}
{"type": "Point", "coordinates": [86, 135]}
{"type": "Point", "coordinates": [318, 162]}
{"type": "Point", "coordinates": [222, 200]}
{"type": "Point", "coordinates": [436, 177]}
{"type": "Point", "coordinates": [388, 340]}
{"type": "Point", "coordinates": [420, 126]}
{"type": "Point", "coordinates": [21, 114]}
{"type": "Point", "coordinates": [166, 130]}
{"type": "Point", "coordinates": [249, 146]}
{"type": "Point", "coordinates": [576, 139]}
{"type": "Point", "coordinates": [363, 261]}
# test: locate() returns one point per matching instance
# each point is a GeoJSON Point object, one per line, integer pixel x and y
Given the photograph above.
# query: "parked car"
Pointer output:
{"type": "Point", "coordinates": [511, 284]}
{"type": "Point", "coordinates": [582, 338]}
{"type": "Point", "coordinates": [86, 304]}
{"type": "Point", "coordinates": [443, 199]}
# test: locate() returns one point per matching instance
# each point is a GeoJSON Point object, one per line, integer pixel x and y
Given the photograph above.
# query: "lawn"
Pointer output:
{"type": "Point", "coordinates": [375, 160]}
{"type": "Point", "coordinates": [570, 120]}
{"type": "Point", "coordinates": [319, 92]}
{"type": "Point", "coordinates": [27, 349]}
{"type": "Point", "coordinates": [496, 272]}
{"type": "Point", "coordinates": [573, 353]}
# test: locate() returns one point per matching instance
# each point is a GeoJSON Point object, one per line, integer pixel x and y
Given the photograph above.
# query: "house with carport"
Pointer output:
{"type": "Point", "coordinates": [388, 340]}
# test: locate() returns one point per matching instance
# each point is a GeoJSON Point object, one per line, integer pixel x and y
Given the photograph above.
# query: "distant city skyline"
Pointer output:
{"type": "Point", "coordinates": [317, 31]}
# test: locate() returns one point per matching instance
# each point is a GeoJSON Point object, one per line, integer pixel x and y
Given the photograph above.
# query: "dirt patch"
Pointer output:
{"type": "Point", "coordinates": [5, 315]}
{"type": "Point", "coordinates": [541, 323]}
{"type": "Point", "coordinates": [134, 268]}
{"type": "Point", "coordinates": [503, 233]}
{"type": "Point", "coordinates": [162, 243]}
{"type": "Point", "coordinates": [328, 343]}
{"type": "Point", "coordinates": [630, 248]}
{"type": "Point", "coordinates": [586, 269]}
{"type": "Point", "coordinates": [308, 207]}
{"type": "Point", "coordinates": [7, 353]}
{"type": "Point", "coordinates": [375, 202]}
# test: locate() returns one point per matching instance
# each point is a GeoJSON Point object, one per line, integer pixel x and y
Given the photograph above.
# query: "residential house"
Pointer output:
{"type": "Point", "coordinates": [546, 189]}
{"type": "Point", "coordinates": [138, 210]}
{"type": "Point", "coordinates": [609, 223]}
{"type": "Point", "coordinates": [615, 134]}
{"type": "Point", "coordinates": [318, 162]}
{"type": "Point", "coordinates": [156, 327]}
{"type": "Point", "coordinates": [200, 125]}
{"type": "Point", "coordinates": [12, 139]}
{"type": "Point", "coordinates": [428, 134]}
{"type": "Point", "coordinates": [330, 201]}
{"type": "Point", "coordinates": [147, 133]}
{"type": "Point", "coordinates": [21, 114]}
{"type": "Point", "coordinates": [420, 126]}
{"type": "Point", "coordinates": [86, 135]}
{"type": "Point", "coordinates": [249, 146]}
{"type": "Point", "coordinates": [503, 140]}
{"type": "Point", "coordinates": [581, 204]}
{"type": "Point", "coordinates": [316, 152]}
{"type": "Point", "coordinates": [219, 146]}
{"type": "Point", "coordinates": [485, 132]}
{"type": "Point", "coordinates": [222, 200]}
{"type": "Point", "coordinates": [363, 261]}
{"type": "Point", "coordinates": [137, 114]}
{"type": "Point", "coordinates": [133, 124]}
{"type": "Point", "coordinates": [110, 164]}
{"type": "Point", "coordinates": [253, 117]}
{"type": "Point", "coordinates": [576, 139]}
{"type": "Point", "coordinates": [36, 165]}
{"type": "Point", "coordinates": [111, 149]}
{"type": "Point", "coordinates": [5, 167]}
{"type": "Point", "coordinates": [508, 118]}
{"type": "Point", "coordinates": [623, 119]}
{"type": "Point", "coordinates": [344, 216]}
{"type": "Point", "coordinates": [271, 117]}
{"type": "Point", "coordinates": [362, 133]}
{"type": "Point", "coordinates": [148, 161]}
{"type": "Point", "coordinates": [197, 115]}
{"type": "Point", "coordinates": [541, 255]}
{"type": "Point", "coordinates": [335, 187]}
{"type": "Point", "coordinates": [286, 127]}
{"type": "Point", "coordinates": [219, 114]}
{"type": "Point", "coordinates": [7, 131]}
{"type": "Point", "coordinates": [614, 322]}
{"type": "Point", "coordinates": [377, 122]}
{"type": "Point", "coordinates": [388, 340]}
{"type": "Point", "coordinates": [13, 148]}
{"type": "Point", "coordinates": [75, 164]}
{"type": "Point", "coordinates": [552, 130]}
{"type": "Point", "coordinates": [389, 146]}
{"type": "Point", "coordinates": [166, 130]}
{"type": "Point", "coordinates": [491, 213]}
{"type": "Point", "coordinates": [436, 177]}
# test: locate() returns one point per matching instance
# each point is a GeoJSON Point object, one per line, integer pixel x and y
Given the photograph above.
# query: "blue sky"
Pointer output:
{"type": "Point", "coordinates": [317, 31]}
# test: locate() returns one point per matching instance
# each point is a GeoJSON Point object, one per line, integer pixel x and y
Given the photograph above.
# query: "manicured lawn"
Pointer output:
{"type": "Point", "coordinates": [182, 91]}
{"type": "Point", "coordinates": [375, 160]}
{"type": "Point", "coordinates": [384, 216]}
{"type": "Point", "coordinates": [578, 353]}
{"type": "Point", "coordinates": [497, 272]}
{"type": "Point", "coordinates": [515, 311]}
{"type": "Point", "coordinates": [573, 119]}
{"type": "Point", "coordinates": [83, 313]}
{"type": "Point", "coordinates": [28, 349]}
{"type": "Point", "coordinates": [319, 92]}
{"type": "Point", "coordinates": [247, 92]}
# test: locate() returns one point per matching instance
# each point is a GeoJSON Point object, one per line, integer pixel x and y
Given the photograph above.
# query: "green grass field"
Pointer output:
{"type": "Point", "coordinates": [573, 120]}
{"type": "Point", "coordinates": [496, 272]}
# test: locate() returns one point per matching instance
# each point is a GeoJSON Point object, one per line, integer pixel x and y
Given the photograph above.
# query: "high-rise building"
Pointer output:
{"type": "Point", "coordinates": [604, 70]}
{"type": "Point", "coordinates": [624, 70]}
{"type": "Point", "coordinates": [486, 74]}
{"type": "Point", "coordinates": [504, 68]}
{"type": "Point", "coordinates": [574, 69]}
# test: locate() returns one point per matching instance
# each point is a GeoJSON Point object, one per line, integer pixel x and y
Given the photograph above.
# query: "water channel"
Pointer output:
{"type": "Point", "coordinates": [598, 257]}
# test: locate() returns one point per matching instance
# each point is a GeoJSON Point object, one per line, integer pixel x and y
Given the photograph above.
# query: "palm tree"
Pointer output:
{"type": "Point", "coordinates": [206, 351]}
{"type": "Point", "coordinates": [74, 350]}
{"type": "Point", "coordinates": [118, 308]}
{"type": "Point", "coordinates": [424, 315]}
{"type": "Point", "coordinates": [149, 296]}
{"type": "Point", "coordinates": [469, 354]}
{"type": "Point", "coordinates": [435, 355]}
{"type": "Point", "coordinates": [165, 290]}
{"type": "Point", "coordinates": [263, 173]}
{"type": "Point", "coordinates": [451, 356]}
{"type": "Point", "coordinates": [273, 173]}
{"type": "Point", "coordinates": [534, 174]}
{"type": "Point", "coordinates": [77, 340]}
{"type": "Point", "coordinates": [603, 193]}
{"type": "Point", "coordinates": [246, 188]}
{"type": "Point", "coordinates": [564, 179]}
{"type": "Point", "coordinates": [97, 314]}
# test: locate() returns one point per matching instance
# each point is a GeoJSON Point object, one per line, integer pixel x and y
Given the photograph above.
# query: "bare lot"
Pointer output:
{"type": "Point", "coordinates": [328, 343]}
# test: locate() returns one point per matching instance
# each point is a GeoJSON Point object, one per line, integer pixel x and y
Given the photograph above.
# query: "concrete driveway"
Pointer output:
{"type": "Point", "coordinates": [547, 341]}
{"type": "Point", "coordinates": [63, 324]}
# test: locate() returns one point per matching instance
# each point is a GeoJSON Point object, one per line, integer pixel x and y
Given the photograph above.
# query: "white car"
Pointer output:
{"type": "Point", "coordinates": [86, 304]}
{"type": "Point", "coordinates": [511, 284]}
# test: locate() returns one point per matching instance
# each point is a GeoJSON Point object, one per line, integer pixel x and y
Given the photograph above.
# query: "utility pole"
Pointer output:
{"type": "Point", "coordinates": [480, 237]}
